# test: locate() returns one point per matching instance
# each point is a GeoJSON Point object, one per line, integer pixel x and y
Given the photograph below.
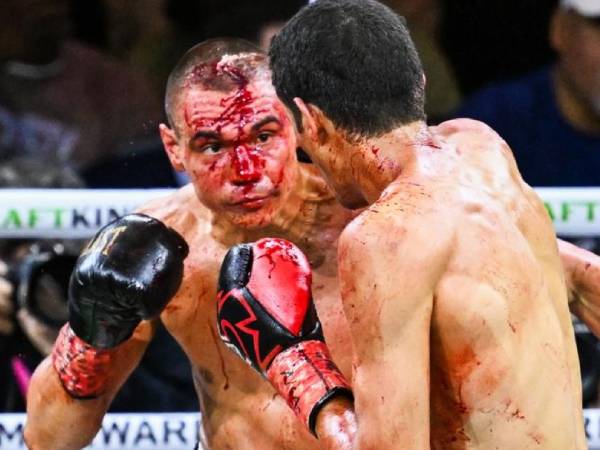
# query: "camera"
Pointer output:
{"type": "Point", "coordinates": [40, 276]}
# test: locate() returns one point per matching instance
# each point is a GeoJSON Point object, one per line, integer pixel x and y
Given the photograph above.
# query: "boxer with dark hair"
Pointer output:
{"type": "Point", "coordinates": [451, 280]}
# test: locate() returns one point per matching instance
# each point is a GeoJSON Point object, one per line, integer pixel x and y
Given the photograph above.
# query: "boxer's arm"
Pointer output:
{"type": "Point", "coordinates": [582, 276]}
{"type": "Point", "coordinates": [56, 420]}
{"type": "Point", "coordinates": [388, 272]}
{"type": "Point", "coordinates": [128, 272]}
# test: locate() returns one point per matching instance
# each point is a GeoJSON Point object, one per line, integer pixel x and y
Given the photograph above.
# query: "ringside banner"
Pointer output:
{"type": "Point", "coordinates": [66, 213]}
{"type": "Point", "coordinates": [165, 431]}
{"type": "Point", "coordinates": [176, 431]}
{"type": "Point", "coordinates": [78, 213]}
{"type": "Point", "coordinates": [574, 211]}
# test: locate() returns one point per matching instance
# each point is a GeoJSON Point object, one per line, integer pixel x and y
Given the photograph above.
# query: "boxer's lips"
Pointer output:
{"type": "Point", "coordinates": [253, 201]}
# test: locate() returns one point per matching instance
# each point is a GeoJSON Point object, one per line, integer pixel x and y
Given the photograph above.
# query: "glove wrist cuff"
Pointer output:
{"type": "Point", "coordinates": [306, 377]}
{"type": "Point", "coordinates": [82, 369]}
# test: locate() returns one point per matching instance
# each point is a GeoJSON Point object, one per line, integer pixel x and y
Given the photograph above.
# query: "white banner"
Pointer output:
{"type": "Point", "coordinates": [574, 211]}
{"type": "Point", "coordinates": [592, 428]}
{"type": "Point", "coordinates": [78, 213]}
{"type": "Point", "coordinates": [176, 431]}
{"type": "Point", "coordinates": [66, 213]}
{"type": "Point", "coordinates": [167, 431]}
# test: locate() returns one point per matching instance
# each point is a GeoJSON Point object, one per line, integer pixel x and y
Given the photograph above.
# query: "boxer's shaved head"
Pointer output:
{"type": "Point", "coordinates": [216, 64]}
{"type": "Point", "coordinates": [355, 60]}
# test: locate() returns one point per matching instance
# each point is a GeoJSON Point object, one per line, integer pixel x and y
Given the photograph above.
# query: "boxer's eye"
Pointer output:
{"type": "Point", "coordinates": [264, 136]}
{"type": "Point", "coordinates": [211, 149]}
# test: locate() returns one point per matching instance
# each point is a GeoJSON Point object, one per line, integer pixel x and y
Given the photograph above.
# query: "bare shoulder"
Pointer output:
{"type": "Point", "coordinates": [481, 147]}
{"type": "Point", "coordinates": [180, 210]}
{"type": "Point", "coordinates": [408, 221]}
{"type": "Point", "coordinates": [469, 134]}
{"type": "Point", "coordinates": [455, 126]}
{"type": "Point", "coordinates": [398, 249]}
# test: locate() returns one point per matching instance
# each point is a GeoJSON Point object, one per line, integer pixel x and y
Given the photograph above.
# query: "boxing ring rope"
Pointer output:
{"type": "Point", "coordinates": [66, 213]}
{"type": "Point", "coordinates": [79, 213]}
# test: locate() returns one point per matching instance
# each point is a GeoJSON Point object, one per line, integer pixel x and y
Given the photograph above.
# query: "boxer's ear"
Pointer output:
{"type": "Point", "coordinates": [309, 119]}
{"type": "Point", "coordinates": [171, 144]}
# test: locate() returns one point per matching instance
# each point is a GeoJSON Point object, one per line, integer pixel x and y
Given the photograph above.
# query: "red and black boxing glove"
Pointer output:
{"type": "Point", "coordinates": [266, 314]}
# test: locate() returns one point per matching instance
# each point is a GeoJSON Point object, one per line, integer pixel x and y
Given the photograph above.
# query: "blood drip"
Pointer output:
{"type": "Point", "coordinates": [237, 112]}
{"type": "Point", "coordinates": [247, 163]}
{"type": "Point", "coordinates": [431, 143]}
{"type": "Point", "coordinates": [270, 247]}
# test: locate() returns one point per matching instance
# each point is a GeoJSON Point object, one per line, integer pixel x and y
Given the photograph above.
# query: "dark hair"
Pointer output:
{"type": "Point", "coordinates": [355, 60]}
{"type": "Point", "coordinates": [198, 67]}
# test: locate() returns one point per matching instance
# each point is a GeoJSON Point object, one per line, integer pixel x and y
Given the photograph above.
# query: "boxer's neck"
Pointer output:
{"type": "Point", "coordinates": [385, 158]}
{"type": "Point", "coordinates": [296, 220]}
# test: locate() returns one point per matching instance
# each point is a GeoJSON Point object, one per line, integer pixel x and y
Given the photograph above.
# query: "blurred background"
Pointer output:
{"type": "Point", "coordinates": [81, 92]}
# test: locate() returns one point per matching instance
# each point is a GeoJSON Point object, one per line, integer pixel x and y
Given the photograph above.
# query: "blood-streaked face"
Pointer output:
{"type": "Point", "coordinates": [238, 148]}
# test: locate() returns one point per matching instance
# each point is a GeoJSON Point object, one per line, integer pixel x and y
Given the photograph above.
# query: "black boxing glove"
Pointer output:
{"type": "Point", "coordinates": [266, 315]}
{"type": "Point", "coordinates": [128, 272]}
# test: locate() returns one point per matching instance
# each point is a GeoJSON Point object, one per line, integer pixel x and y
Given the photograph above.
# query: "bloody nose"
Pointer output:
{"type": "Point", "coordinates": [246, 165]}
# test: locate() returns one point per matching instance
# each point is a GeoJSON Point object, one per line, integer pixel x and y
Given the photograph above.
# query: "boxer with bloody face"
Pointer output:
{"type": "Point", "coordinates": [234, 139]}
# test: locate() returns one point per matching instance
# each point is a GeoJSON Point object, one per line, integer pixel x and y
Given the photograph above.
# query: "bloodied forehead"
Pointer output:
{"type": "Point", "coordinates": [227, 71]}
{"type": "Point", "coordinates": [227, 97]}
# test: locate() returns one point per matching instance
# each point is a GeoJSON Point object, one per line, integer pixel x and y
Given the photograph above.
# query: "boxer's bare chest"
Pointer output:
{"type": "Point", "coordinates": [235, 400]}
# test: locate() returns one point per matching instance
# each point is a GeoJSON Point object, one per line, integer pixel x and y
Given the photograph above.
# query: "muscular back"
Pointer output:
{"type": "Point", "coordinates": [240, 409]}
{"type": "Point", "coordinates": [479, 253]}
{"type": "Point", "coordinates": [504, 363]}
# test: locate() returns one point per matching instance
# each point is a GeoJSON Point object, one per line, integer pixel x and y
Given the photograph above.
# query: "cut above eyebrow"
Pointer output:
{"type": "Point", "coordinates": [265, 121]}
